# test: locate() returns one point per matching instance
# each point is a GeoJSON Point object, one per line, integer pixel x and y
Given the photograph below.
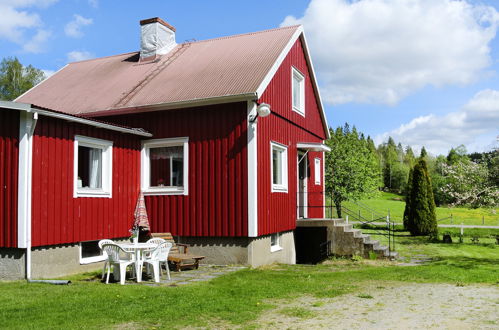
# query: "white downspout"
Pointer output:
{"type": "Point", "coordinates": [29, 131]}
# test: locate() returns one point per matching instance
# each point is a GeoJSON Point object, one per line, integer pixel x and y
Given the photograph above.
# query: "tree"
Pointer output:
{"type": "Point", "coordinates": [423, 153]}
{"type": "Point", "coordinates": [468, 183]}
{"type": "Point", "coordinates": [420, 208]}
{"type": "Point", "coordinates": [16, 79]}
{"type": "Point", "coordinates": [352, 168]}
{"type": "Point", "coordinates": [408, 200]}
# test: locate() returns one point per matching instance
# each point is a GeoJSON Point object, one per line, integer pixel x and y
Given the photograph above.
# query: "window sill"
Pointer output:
{"type": "Point", "coordinates": [164, 191]}
{"type": "Point", "coordinates": [275, 248]}
{"type": "Point", "coordinates": [298, 111]}
{"type": "Point", "coordinates": [91, 260]}
{"type": "Point", "coordinates": [279, 189]}
{"type": "Point", "coordinates": [92, 193]}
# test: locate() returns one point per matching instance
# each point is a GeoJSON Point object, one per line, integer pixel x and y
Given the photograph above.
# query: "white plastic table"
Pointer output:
{"type": "Point", "coordinates": [138, 249]}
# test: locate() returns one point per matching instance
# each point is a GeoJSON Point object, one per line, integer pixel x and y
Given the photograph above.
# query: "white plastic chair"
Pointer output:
{"type": "Point", "coordinates": [158, 256]}
{"type": "Point", "coordinates": [114, 253]}
{"type": "Point", "coordinates": [101, 243]}
{"type": "Point", "coordinates": [156, 240]}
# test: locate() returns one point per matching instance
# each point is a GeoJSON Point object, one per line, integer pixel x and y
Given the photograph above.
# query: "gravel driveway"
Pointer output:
{"type": "Point", "coordinates": [393, 306]}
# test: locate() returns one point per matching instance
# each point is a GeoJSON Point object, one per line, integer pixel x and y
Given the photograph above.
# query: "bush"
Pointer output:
{"type": "Point", "coordinates": [419, 216]}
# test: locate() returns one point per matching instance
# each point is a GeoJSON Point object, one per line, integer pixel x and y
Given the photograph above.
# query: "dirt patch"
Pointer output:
{"type": "Point", "coordinates": [394, 306]}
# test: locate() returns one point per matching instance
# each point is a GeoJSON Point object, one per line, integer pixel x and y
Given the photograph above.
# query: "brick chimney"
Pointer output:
{"type": "Point", "coordinates": [157, 38]}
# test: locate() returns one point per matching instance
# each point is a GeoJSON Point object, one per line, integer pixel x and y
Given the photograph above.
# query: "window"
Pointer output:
{"type": "Point", "coordinates": [90, 252]}
{"type": "Point", "coordinates": [92, 167]}
{"type": "Point", "coordinates": [275, 242]}
{"type": "Point", "coordinates": [279, 173]}
{"type": "Point", "coordinates": [317, 171]}
{"type": "Point", "coordinates": [165, 166]}
{"type": "Point", "coordinates": [298, 91]}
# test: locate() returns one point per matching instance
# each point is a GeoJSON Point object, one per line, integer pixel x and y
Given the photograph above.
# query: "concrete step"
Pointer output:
{"type": "Point", "coordinates": [356, 232]}
{"type": "Point", "coordinates": [346, 226]}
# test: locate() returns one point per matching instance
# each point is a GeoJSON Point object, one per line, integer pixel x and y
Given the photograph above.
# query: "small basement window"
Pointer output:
{"type": "Point", "coordinates": [298, 91]}
{"type": "Point", "coordinates": [92, 167]}
{"type": "Point", "coordinates": [165, 166]}
{"type": "Point", "coordinates": [90, 252]}
{"type": "Point", "coordinates": [279, 173]}
{"type": "Point", "coordinates": [275, 242]}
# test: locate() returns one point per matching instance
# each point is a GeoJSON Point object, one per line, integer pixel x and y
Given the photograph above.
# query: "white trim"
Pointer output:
{"type": "Point", "coordinates": [315, 85]}
{"type": "Point", "coordinates": [29, 108]}
{"type": "Point", "coordinates": [317, 171]}
{"type": "Point", "coordinates": [24, 181]}
{"type": "Point", "coordinates": [90, 260]}
{"type": "Point", "coordinates": [145, 173]}
{"type": "Point", "coordinates": [106, 191]}
{"type": "Point", "coordinates": [313, 147]}
{"type": "Point", "coordinates": [296, 74]}
{"type": "Point", "coordinates": [324, 185]}
{"type": "Point", "coordinates": [283, 187]}
{"type": "Point", "coordinates": [252, 172]}
{"type": "Point", "coordinates": [305, 186]}
{"type": "Point", "coordinates": [277, 64]}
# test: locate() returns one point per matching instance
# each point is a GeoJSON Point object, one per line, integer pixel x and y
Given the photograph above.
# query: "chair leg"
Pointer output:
{"type": "Point", "coordinates": [108, 272]}
{"type": "Point", "coordinates": [122, 274]}
{"type": "Point", "coordinates": [155, 267]}
{"type": "Point", "coordinates": [104, 269]}
{"type": "Point", "coordinates": [167, 271]}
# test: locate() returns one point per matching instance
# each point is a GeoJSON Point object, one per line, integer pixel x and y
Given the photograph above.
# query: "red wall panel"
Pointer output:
{"type": "Point", "coordinates": [58, 217]}
{"type": "Point", "coordinates": [277, 211]}
{"type": "Point", "coordinates": [9, 159]}
{"type": "Point", "coordinates": [217, 201]}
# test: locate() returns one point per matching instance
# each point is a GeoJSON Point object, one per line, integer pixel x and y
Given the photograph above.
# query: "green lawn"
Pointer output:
{"type": "Point", "coordinates": [395, 205]}
{"type": "Point", "coordinates": [234, 299]}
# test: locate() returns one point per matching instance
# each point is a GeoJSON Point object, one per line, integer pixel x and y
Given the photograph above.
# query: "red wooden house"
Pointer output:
{"type": "Point", "coordinates": [217, 170]}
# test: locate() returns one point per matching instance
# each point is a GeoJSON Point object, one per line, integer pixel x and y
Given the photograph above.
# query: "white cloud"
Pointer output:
{"type": "Point", "coordinates": [73, 28]}
{"type": "Point", "coordinates": [475, 125]}
{"type": "Point", "coordinates": [76, 56]}
{"type": "Point", "coordinates": [37, 42]}
{"type": "Point", "coordinates": [17, 21]}
{"type": "Point", "coordinates": [379, 51]}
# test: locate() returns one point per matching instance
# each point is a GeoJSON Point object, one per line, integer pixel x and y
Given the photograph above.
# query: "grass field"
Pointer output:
{"type": "Point", "coordinates": [388, 202]}
{"type": "Point", "coordinates": [236, 299]}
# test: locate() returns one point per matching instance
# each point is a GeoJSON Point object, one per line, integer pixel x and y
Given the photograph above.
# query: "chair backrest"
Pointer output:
{"type": "Point", "coordinates": [169, 238]}
{"type": "Point", "coordinates": [156, 240]}
{"type": "Point", "coordinates": [104, 241]}
{"type": "Point", "coordinates": [113, 251]}
{"type": "Point", "coordinates": [161, 251]}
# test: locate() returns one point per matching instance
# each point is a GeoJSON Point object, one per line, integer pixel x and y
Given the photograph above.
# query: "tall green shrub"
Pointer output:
{"type": "Point", "coordinates": [421, 216]}
{"type": "Point", "coordinates": [407, 193]}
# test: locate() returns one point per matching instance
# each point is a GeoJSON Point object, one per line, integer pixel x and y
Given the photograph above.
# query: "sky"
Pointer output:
{"type": "Point", "coordinates": [425, 72]}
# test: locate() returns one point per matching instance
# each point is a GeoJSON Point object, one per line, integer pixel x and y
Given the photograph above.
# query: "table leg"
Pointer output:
{"type": "Point", "coordinates": [138, 265]}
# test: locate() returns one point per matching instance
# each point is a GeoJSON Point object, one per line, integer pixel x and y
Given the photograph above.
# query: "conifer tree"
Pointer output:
{"type": "Point", "coordinates": [421, 216]}
{"type": "Point", "coordinates": [407, 209]}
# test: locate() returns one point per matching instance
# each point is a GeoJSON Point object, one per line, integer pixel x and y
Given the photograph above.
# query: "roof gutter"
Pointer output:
{"type": "Point", "coordinates": [175, 105]}
{"type": "Point", "coordinates": [33, 108]}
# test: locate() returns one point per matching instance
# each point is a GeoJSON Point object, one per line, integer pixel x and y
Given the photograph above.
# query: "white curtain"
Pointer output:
{"type": "Point", "coordinates": [95, 159]}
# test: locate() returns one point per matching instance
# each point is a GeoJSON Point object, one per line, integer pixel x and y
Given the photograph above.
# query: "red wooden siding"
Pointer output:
{"type": "Point", "coordinates": [278, 93]}
{"type": "Point", "coordinates": [9, 158]}
{"type": "Point", "coordinates": [217, 201]}
{"type": "Point", "coordinates": [58, 217]}
{"type": "Point", "coordinates": [278, 211]}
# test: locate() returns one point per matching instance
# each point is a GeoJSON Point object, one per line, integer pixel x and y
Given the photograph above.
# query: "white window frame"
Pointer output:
{"type": "Point", "coordinates": [90, 260]}
{"type": "Point", "coordinates": [296, 74]}
{"type": "Point", "coordinates": [283, 187]}
{"type": "Point", "coordinates": [146, 171]}
{"type": "Point", "coordinates": [107, 167]}
{"type": "Point", "coordinates": [277, 246]}
{"type": "Point", "coordinates": [317, 170]}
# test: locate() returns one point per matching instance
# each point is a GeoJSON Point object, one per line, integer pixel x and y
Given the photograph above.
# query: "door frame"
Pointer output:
{"type": "Point", "coordinates": [300, 154]}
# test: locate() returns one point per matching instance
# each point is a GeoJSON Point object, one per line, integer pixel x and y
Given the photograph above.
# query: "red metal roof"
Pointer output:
{"type": "Point", "coordinates": [228, 66]}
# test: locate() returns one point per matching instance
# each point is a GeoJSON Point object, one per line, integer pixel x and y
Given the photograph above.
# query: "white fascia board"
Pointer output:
{"type": "Point", "coordinates": [277, 64]}
{"type": "Point", "coordinates": [315, 85]}
{"type": "Point", "coordinates": [313, 147]}
{"type": "Point", "coordinates": [252, 172]}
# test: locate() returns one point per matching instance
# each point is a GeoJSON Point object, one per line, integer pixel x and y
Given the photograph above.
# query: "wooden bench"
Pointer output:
{"type": "Point", "coordinates": [179, 254]}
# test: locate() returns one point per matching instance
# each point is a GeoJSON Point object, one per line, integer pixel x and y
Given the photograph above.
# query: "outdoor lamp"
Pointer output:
{"type": "Point", "coordinates": [262, 110]}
